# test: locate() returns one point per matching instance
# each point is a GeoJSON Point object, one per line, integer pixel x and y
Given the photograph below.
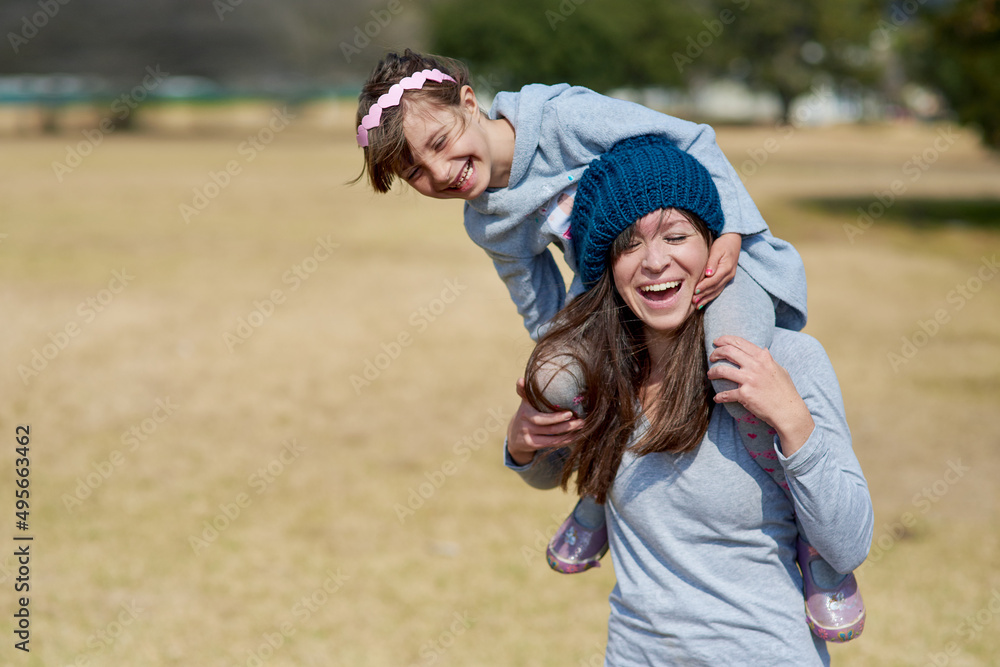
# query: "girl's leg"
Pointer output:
{"type": "Point", "coordinates": [561, 382]}
{"type": "Point", "coordinates": [743, 309]}
{"type": "Point", "coordinates": [582, 539]}
{"type": "Point", "coordinates": [589, 513]}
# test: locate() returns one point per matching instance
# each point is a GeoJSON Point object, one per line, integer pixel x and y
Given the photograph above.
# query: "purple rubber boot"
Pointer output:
{"type": "Point", "coordinates": [834, 609]}
{"type": "Point", "coordinates": [576, 548]}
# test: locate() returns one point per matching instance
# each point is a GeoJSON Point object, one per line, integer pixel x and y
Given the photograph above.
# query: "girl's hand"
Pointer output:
{"type": "Point", "coordinates": [765, 389]}
{"type": "Point", "coordinates": [721, 268]}
{"type": "Point", "coordinates": [531, 430]}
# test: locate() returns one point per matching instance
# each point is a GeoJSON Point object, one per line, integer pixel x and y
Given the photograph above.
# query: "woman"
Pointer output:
{"type": "Point", "coordinates": [702, 538]}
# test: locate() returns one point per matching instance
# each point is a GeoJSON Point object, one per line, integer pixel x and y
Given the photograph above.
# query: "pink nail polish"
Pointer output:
{"type": "Point", "coordinates": [708, 272]}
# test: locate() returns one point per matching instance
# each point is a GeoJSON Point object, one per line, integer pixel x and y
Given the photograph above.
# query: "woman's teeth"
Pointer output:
{"type": "Point", "coordinates": [660, 287]}
{"type": "Point", "coordinates": [466, 172]}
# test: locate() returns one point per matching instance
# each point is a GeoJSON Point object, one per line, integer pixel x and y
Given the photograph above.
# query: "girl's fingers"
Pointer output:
{"type": "Point", "coordinates": [720, 269]}
{"type": "Point", "coordinates": [709, 282]}
{"type": "Point", "coordinates": [707, 290]}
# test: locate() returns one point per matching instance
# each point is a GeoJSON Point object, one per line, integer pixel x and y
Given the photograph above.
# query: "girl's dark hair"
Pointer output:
{"type": "Point", "coordinates": [598, 333]}
{"type": "Point", "coordinates": [387, 152]}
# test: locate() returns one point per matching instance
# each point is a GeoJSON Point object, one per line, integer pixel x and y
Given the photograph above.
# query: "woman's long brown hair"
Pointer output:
{"type": "Point", "coordinates": [599, 334]}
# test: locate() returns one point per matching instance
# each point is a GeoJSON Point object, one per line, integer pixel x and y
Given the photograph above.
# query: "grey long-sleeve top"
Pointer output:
{"type": "Point", "coordinates": [703, 543]}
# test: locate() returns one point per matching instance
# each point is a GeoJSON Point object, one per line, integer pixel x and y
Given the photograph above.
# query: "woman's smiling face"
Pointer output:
{"type": "Point", "coordinates": [662, 263]}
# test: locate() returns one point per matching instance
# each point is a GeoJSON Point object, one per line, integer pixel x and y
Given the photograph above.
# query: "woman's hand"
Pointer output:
{"type": "Point", "coordinates": [531, 430]}
{"type": "Point", "coordinates": [721, 268]}
{"type": "Point", "coordinates": [765, 389]}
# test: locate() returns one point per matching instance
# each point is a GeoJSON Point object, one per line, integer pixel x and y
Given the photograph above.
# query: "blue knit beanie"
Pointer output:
{"type": "Point", "coordinates": [636, 177]}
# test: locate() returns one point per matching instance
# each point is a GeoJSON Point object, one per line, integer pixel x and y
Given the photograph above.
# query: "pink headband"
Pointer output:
{"type": "Point", "coordinates": [391, 99]}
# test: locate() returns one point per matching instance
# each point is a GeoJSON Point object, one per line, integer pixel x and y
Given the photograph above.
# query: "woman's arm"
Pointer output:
{"type": "Point", "coordinates": [798, 389]}
{"type": "Point", "coordinates": [544, 471]}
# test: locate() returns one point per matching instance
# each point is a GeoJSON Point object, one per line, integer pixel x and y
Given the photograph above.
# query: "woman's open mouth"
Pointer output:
{"type": "Point", "coordinates": [660, 292]}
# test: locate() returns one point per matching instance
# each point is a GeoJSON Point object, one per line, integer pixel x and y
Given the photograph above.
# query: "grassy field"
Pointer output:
{"type": "Point", "coordinates": [266, 408]}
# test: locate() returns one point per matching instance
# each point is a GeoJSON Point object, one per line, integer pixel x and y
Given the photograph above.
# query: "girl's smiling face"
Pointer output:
{"type": "Point", "coordinates": [657, 272]}
{"type": "Point", "coordinates": [452, 157]}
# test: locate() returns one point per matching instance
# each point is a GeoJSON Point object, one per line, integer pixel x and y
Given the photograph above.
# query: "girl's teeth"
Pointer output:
{"type": "Point", "coordinates": [464, 177]}
{"type": "Point", "coordinates": [660, 287]}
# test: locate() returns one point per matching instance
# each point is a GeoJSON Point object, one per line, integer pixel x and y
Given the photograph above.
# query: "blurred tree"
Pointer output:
{"type": "Point", "coordinates": [955, 47]}
{"type": "Point", "coordinates": [594, 43]}
{"type": "Point", "coordinates": [787, 46]}
{"type": "Point", "coordinates": [777, 45]}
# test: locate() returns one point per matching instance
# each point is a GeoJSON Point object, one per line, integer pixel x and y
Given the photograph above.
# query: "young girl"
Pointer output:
{"type": "Point", "coordinates": [703, 540]}
{"type": "Point", "coordinates": [517, 169]}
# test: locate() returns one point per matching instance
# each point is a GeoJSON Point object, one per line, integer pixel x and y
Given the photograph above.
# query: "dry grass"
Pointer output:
{"type": "Point", "coordinates": [461, 580]}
